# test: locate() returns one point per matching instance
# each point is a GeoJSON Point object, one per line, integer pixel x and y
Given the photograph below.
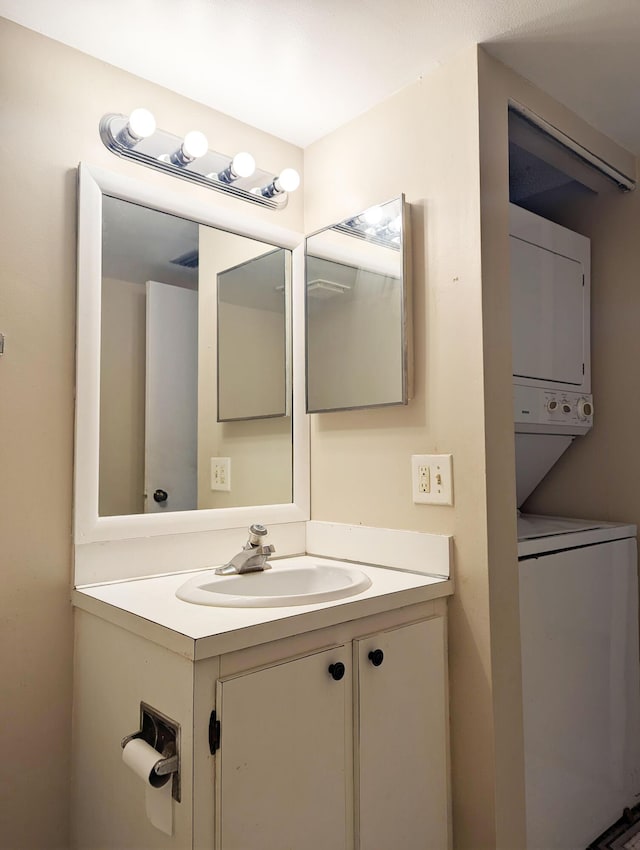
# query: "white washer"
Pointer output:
{"type": "Point", "coordinates": [580, 676]}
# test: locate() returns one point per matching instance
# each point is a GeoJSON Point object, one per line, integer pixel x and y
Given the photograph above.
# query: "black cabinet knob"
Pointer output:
{"type": "Point", "coordinates": [337, 670]}
{"type": "Point", "coordinates": [160, 496]}
{"type": "Point", "coordinates": [376, 657]}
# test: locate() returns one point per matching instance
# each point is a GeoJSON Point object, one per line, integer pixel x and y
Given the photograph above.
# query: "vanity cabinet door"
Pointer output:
{"type": "Point", "coordinates": [281, 770]}
{"type": "Point", "coordinates": [402, 739]}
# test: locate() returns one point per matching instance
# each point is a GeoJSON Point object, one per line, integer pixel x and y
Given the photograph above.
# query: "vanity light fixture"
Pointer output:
{"type": "Point", "coordinates": [136, 137]}
{"type": "Point", "coordinates": [374, 225]}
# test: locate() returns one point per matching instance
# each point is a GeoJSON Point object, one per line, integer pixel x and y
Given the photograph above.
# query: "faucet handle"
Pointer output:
{"type": "Point", "coordinates": [269, 549]}
{"type": "Point", "coordinates": [256, 531]}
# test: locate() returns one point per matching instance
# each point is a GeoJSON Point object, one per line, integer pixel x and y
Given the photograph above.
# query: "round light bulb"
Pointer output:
{"type": "Point", "coordinates": [373, 216]}
{"type": "Point", "coordinates": [195, 144]}
{"type": "Point", "coordinates": [395, 225]}
{"type": "Point", "coordinates": [289, 180]}
{"type": "Point", "coordinates": [141, 124]}
{"type": "Point", "coordinates": [243, 164]}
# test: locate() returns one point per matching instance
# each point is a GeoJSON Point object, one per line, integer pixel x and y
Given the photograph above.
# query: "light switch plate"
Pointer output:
{"type": "Point", "coordinates": [221, 473]}
{"type": "Point", "coordinates": [432, 479]}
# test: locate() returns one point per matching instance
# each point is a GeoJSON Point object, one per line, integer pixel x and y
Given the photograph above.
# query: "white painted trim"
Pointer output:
{"type": "Point", "coordinates": [88, 526]}
{"type": "Point", "coordinates": [141, 557]}
{"type": "Point", "coordinates": [415, 551]}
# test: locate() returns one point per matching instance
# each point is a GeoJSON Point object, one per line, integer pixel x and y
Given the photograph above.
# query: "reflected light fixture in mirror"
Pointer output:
{"type": "Point", "coordinates": [137, 137]}
{"type": "Point", "coordinates": [358, 311]}
{"type": "Point", "coordinates": [118, 372]}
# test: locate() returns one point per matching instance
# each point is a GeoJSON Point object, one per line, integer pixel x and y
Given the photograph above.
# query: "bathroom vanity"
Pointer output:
{"type": "Point", "coordinates": [314, 726]}
{"type": "Point", "coordinates": [206, 715]}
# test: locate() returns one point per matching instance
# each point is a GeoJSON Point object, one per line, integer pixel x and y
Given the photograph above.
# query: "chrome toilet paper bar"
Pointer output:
{"type": "Point", "coordinates": [163, 734]}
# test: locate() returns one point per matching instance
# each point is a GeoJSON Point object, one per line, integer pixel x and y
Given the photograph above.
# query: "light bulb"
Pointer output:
{"type": "Point", "coordinates": [141, 124]}
{"type": "Point", "coordinates": [243, 164]}
{"type": "Point", "coordinates": [373, 216]}
{"type": "Point", "coordinates": [195, 145]}
{"type": "Point", "coordinates": [289, 180]}
{"type": "Point", "coordinates": [395, 225]}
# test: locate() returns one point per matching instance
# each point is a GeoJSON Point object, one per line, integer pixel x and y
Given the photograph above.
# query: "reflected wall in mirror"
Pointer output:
{"type": "Point", "coordinates": [358, 316]}
{"type": "Point", "coordinates": [175, 294]}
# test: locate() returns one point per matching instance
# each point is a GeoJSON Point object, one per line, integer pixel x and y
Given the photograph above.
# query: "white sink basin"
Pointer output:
{"type": "Point", "coordinates": [280, 586]}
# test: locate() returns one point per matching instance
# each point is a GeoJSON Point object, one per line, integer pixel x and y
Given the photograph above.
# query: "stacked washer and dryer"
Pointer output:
{"type": "Point", "coordinates": [578, 578]}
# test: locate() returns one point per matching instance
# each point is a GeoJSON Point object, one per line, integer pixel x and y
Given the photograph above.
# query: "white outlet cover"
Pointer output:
{"type": "Point", "coordinates": [440, 479]}
{"type": "Point", "coordinates": [221, 473]}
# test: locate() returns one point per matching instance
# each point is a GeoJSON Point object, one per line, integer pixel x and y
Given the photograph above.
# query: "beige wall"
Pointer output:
{"type": "Point", "coordinates": [598, 477]}
{"type": "Point", "coordinates": [497, 85]}
{"type": "Point", "coordinates": [424, 142]}
{"type": "Point", "coordinates": [49, 117]}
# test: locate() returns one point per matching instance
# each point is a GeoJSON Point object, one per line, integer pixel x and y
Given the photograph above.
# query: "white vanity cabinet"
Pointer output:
{"type": "Point", "coordinates": [295, 750]}
{"type": "Point", "coordinates": [320, 746]}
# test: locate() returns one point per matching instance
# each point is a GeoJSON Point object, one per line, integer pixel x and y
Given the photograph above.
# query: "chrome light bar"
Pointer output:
{"type": "Point", "coordinates": [136, 137]}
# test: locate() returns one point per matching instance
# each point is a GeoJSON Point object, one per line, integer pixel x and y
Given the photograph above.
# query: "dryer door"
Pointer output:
{"type": "Point", "coordinates": [548, 315]}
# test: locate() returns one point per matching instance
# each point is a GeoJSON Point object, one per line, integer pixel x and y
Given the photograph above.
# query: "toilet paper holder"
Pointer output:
{"type": "Point", "coordinates": [163, 734]}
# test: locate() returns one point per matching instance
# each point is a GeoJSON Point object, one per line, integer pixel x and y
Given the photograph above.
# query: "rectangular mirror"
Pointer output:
{"type": "Point", "coordinates": [158, 427]}
{"type": "Point", "coordinates": [358, 311]}
{"type": "Point", "coordinates": [253, 373]}
{"type": "Point", "coordinates": [184, 363]}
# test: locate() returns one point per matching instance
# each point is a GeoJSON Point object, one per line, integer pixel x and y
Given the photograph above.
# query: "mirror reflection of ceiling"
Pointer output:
{"type": "Point", "coordinates": [142, 244]}
{"type": "Point", "coordinates": [582, 52]}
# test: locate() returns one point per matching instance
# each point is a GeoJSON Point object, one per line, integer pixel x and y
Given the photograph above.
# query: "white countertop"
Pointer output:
{"type": "Point", "coordinates": [150, 608]}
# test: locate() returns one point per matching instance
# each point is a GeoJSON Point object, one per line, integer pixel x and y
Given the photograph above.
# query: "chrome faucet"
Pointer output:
{"type": "Point", "coordinates": [253, 557]}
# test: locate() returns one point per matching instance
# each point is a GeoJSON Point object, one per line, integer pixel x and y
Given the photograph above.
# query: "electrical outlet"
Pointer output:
{"type": "Point", "coordinates": [424, 478]}
{"type": "Point", "coordinates": [432, 479]}
{"type": "Point", "coordinates": [221, 473]}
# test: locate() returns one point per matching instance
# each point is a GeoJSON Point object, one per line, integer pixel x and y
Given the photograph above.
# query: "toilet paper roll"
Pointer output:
{"type": "Point", "coordinates": [141, 758]}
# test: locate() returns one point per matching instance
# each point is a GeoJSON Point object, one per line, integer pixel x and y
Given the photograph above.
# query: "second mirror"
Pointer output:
{"type": "Point", "coordinates": [358, 311]}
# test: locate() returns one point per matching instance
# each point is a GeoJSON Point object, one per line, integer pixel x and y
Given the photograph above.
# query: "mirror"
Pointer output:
{"type": "Point", "coordinates": [358, 318]}
{"type": "Point", "coordinates": [252, 322]}
{"type": "Point", "coordinates": [184, 361]}
{"type": "Point", "coordinates": [163, 280]}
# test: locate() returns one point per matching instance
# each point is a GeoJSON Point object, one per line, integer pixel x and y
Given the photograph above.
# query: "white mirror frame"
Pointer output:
{"type": "Point", "coordinates": [89, 527]}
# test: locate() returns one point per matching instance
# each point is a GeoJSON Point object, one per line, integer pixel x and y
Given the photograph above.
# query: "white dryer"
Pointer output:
{"type": "Point", "coordinates": [580, 677]}
{"type": "Point", "coordinates": [550, 311]}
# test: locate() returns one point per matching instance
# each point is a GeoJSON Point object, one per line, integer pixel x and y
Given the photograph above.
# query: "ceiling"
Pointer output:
{"type": "Point", "coordinates": [301, 68]}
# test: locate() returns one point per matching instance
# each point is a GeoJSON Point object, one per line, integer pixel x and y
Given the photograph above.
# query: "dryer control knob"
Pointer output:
{"type": "Point", "coordinates": [552, 405]}
{"type": "Point", "coordinates": [585, 408]}
{"type": "Point", "coordinates": [566, 407]}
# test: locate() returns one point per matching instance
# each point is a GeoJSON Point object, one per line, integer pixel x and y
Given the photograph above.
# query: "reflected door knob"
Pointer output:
{"type": "Point", "coordinates": [160, 496]}
{"type": "Point", "coordinates": [376, 657]}
{"type": "Point", "coordinates": [337, 670]}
